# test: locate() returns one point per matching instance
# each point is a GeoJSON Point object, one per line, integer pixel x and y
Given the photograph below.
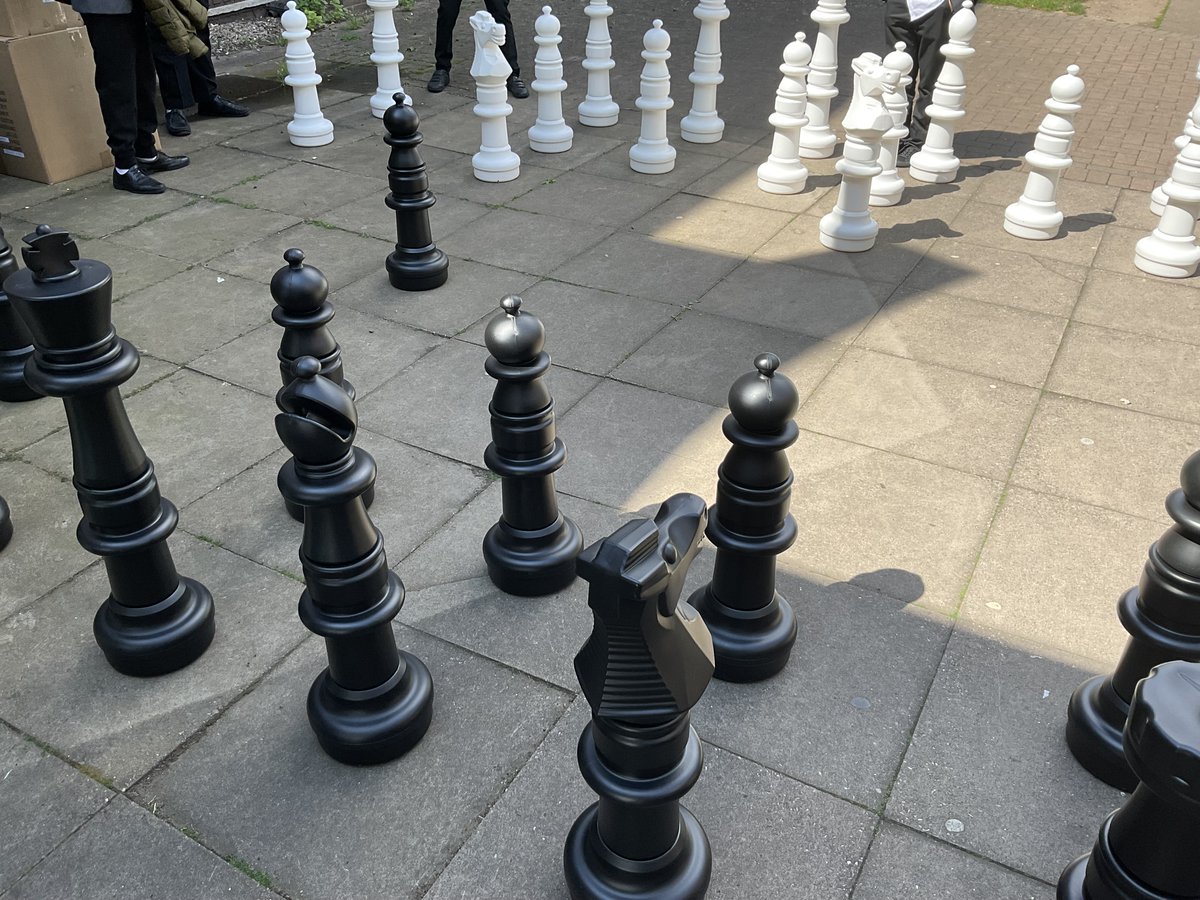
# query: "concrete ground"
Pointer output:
{"type": "Point", "coordinates": [988, 429]}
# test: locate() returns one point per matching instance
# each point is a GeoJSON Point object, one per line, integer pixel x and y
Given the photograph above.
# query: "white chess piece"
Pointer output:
{"type": "Point", "coordinates": [550, 133]}
{"type": "Point", "coordinates": [1036, 215]}
{"type": "Point", "coordinates": [385, 47]}
{"type": "Point", "coordinates": [308, 128]}
{"type": "Point", "coordinates": [849, 226]}
{"type": "Point", "coordinates": [887, 188]}
{"type": "Point", "coordinates": [598, 109]}
{"type": "Point", "coordinates": [1158, 197]}
{"type": "Point", "coordinates": [935, 162]}
{"type": "Point", "coordinates": [495, 160]}
{"type": "Point", "coordinates": [783, 172]}
{"type": "Point", "coordinates": [1170, 250]}
{"type": "Point", "coordinates": [817, 139]}
{"type": "Point", "coordinates": [702, 125]}
{"type": "Point", "coordinates": [653, 153]}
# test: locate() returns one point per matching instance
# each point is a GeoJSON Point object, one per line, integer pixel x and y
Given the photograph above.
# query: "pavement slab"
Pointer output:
{"type": "Point", "coordinates": [342, 256]}
{"type": "Point", "coordinates": [203, 230]}
{"type": "Point", "coordinates": [527, 242]}
{"type": "Point", "coordinates": [736, 181]}
{"type": "Point", "coordinates": [320, 189]}
{"type": "Point", "coordinates": [1158, 307]}
{"type": "Point", "coordinates": [79, 212]}
{"type": "Point", "coordinates": [716, 225]}
{"type": "Point", "coordinates": [591, 199]}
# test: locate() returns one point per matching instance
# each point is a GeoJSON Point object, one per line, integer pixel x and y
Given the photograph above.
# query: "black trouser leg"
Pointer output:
{"type": "Point", "coordinates": [183, 81]}
{"type": "Point", "coordinates": [443, 52]}
{"type": "Point", "coordinates": [145, 89]}
{"type": "Point", "coordinates": [124, 83]}
{"type": "Point", "coordinates": [923, 40]}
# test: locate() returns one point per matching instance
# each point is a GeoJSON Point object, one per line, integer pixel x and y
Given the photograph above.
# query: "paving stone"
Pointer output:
{"type": "Point", "coordinates": [1115, 458]}
{"type": "Point", "coordinates": [44, 801]}
{"type": "Point", "coordinates": [1074, 198]}
{"type": "Point", "coordinates": [736, 181]}
{"type": "Point", "coordinates": [56, 684]}
{"type": "Point", "coordinates": [219, 168]}
{"type": "Point", "coordinates": [699, 356]}
{"type": "Point", "coordinates": [441, 402]}
{"type": "Point", "coordinates": [1117, 252]}
{"type": "Point", "coordinates": [370, 158]}
{"type": "Point", "coordinates": [342, 256]}
{"type": "Point", "coordinates": [688, 168]}
{"type": "Point", "coordinates": [303, 190]}
{"type": "Point", "coordinates": [894, 255]}
{"type": "Point", "coordinates": [1011, 344]}
{"type": "Point", "coordinates": [121, 854]}
{"type": "Point", "coordinates": [938, 415]}
{"type": "Point", "coordinates": [923, 209]}
{"type": "Point", "coordinates": [1160, 307]}
{"type": "Point", "coordinates": [132, 269]}
{"type": "Point", "coordinates": [586, 145]}
{"type": "Point", "coordinates": [236, 786]}
{"type": "Point", "coordinates": [1051, 573]}
{"type": "Point", "coordinates": [988, 752]}
{"type": "Point", "coordinates": [523, 241]}
{"type": "Point", "coordinates": [904, 864]}
{"type": "Point", "coordinates": [273, 141]}
{"type": "Point", "coordinates": [460, 129]}
{"type": "Point", "coordinates": [374, 218]}
{"type": "Point", "coordinates": [591, 199]}
{"type": "Point", "coordinates": [1077, 242]}
{"type": "Point", "coordinates": [203, 230]}
{"type": "Point", "coordinates": [716, 225]}
{"type": "Point", "coordinates": [458, 180]}
{"type": "Point", "coordinates": [100, 210]}
{"type": "Point", "coordinates": [18, 194]}
{"type": "Point", "coordinates": [209, 130]}
{"type": "Point", "coordinates": [1132, 210]}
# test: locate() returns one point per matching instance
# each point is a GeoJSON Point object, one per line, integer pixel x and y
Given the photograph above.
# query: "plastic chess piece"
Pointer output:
{"type": "Point", "coordinates": [495, 160]}
{"type": "Point", "coordinates": [1170, 250]}
{"type": "Point", "coordinates": [817, 139]}
{"type": "Point", "coordinates": [849, 226]}
{"type": "Point", "coordinates": [1147, 849]}
{"type": "Point", "coordinates": [1158, 197]}
{"type": "Point", "coordinates": [1162, 616]}
{"type": "Point", "coordinates": [598, 109]}
{"type": "Point", "coordinates": [6, 526]}
{"type": "Point", "coordinates": [531, 551]}
{"type": "Point", "coordinates": [375, 701]}
{"type": "Point", "coordinates": [653, 154]}
{"type": "Point", "coordinates": [702, 125]}
{"type": "Point", "coordinates": [386, 55]}
{"type": "Point", "coordinates": [935, 162]}
{"type": "Point", "coordinates": [753, 628]}
{"type": "Point", "coordinates": [1036, 215]}
{"type": "Point", "coordinates": [416, 264]}
{"type": "Point", "coordinates": [887, 188]}
{"type": "Point", "coordinates": [153, 621]}
{"type": "Point", "coordinates": [16, 344]}
{"type": "Point", "coordinates": [646, 664]}
{"type": "Point", "coordinates": [550, 133]}
{"type": "Point", "coordinates": [308, 128]}
{"type": "Point", "coordinates": [783, 172]}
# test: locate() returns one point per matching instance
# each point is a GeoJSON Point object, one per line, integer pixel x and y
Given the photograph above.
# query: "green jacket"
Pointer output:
{"type": "Point", "coordinates": [178, 21]}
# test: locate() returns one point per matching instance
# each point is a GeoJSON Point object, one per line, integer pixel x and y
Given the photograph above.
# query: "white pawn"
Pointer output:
{"type": "Point", "coordinates": [887, 188]}
{"type": "Point", "coordinates": [935, 162]}
{"type": "Point", "coordinates": [653, 153]}
{"type": "Point", "coordinates": [385, 47]}
{"type": "Point", "coordinates": [308, 127]}
{"type": "Point", "coordinates": [783, 172]}
{"type": "Point", "coordinates": [1158, 197]}
{"type": "Point", "coordinates": [1036, 215]}
{"type": "Point", "coordinates": [598, 109]}
{"type": "Point", "coordinates": [550, 133]}
{"type": "Point", "coordinates": [1170, 250]}
{"type": "Point", "coordinates": [702, 125]}
{"type": "Point", "coordinates": [495, 160]}
{"type": "Point", "coordinates": [849, 227]}
{"type": "Point", "coordinates": [817, 139]}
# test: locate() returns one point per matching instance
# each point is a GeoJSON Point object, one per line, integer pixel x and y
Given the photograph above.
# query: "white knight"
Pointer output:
{"type": "Point", "coordinates": [495, 160]}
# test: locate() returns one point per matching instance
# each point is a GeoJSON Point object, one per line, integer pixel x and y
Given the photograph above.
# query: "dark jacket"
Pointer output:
{"type": "Point", "coordinates": [178, 21]}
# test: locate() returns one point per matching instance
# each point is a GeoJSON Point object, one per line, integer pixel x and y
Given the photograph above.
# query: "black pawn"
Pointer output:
{"type": "Point", "coordinates": [532, 549]}
{"type": "Point", "coordinates": [1147, 849]}
{"type": "Point", "coordinates": [6, 526]}
{"type": "Point", "coordinates": [416, 264]}
{"type": "Point", "coordinates": [154, 621]}
{"type": "Point", "coordinates": [644, 667]}
{"type": "Point", "coordinates": [1162, 616]}
{"type": "Point", "coordinates": [301, 294]}
{"type": "Point", "coordinates": [753, 628]}
{"type": "Point", "coordinates": [374, 702]}
{"type": "Point", "coordinates": [16, 344]}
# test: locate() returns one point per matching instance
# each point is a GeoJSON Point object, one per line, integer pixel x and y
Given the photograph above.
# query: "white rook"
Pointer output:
{"type": "Point", "coordinates": [495, 160]}
{"type": "Point", "coordinates": [702, 125]}
{"type": "Point", "coordinates": [935, 162]}
{"type": "Point", "coordinates": [653, 153]}
{"type": "Point", "coordinates": [385, 47]}
{"type": "Point", "coordinates": [817, 139]}
{"type": "Point", "coordinates": [598, 109]}
{"type": "Point", "coordinates": [1170, 250]}
{"type": "Point", "coordinates": [888, 187]}
{"type": "Point", "coordinates": [783, 172]}
{"type": "Point", "coordinates": [550, 133]}
{"type": "Point", "coordinates": [308, 128]}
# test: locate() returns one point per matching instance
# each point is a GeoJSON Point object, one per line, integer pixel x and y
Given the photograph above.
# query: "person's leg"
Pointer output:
{"type": "Point", "coordinates": [499, 11]}
{"type": "Point", "coordinates": [144, 88]}
{"type": "Point", "coordinates": [897, 28]}
{"type": "Point", "coordinates": [932, 33]}
{"type": "Point", "coordinates": [447, 17]}
{"type": "Point", "coordinates": [202, 76]}
{"type": "Point", "coordinates": [115, 81]}
{"type": "Point", "coordinates": [172, 70]}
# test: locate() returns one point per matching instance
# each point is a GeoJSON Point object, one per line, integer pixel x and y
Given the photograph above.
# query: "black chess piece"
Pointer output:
{"type": "Point", "coordinates": [1162, 616]}
{"type": "Point", "coordinates": [1147, 849]}
{"type": "Point", "coordinates": [645, 665]}
{"type": "Point", "coordinates": [531, 551]}
{"type": "Point", "coordinates": [154, 621]}
{"type": "Point", "coordinates": [6, 526]}
{"type": "Point", "coordinates": [416, 264]}
{"type": "Point", "coordinates": [16, 345]}
{"type": "Point", "coordinates": [753, 628]}
{"type": "Point", "coordinates": [301, 294]}
{"type": "Point", "coordinates": [374, 702]}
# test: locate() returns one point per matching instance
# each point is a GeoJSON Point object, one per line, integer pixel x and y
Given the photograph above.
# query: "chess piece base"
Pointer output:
{"type": "Point", "coordinates": [1166, 259]}
{"type": "Point", "coordinates": [598, 115]}
{"type": "Point", "coordinates": [13, 387]}
{"type": "Point", "coordinates": [886, 191]}
{"type": "Point", "coordinates": [154, 640]}
{"type": "Point", "coordinates": [1070, 883]}
{"type": "Point", "coordinates": [748, 645]}
{"type": "Point", "coordinates": [817, 144]}
{"type": "Point", "coordinates": [923, 170]}
{"type": "Point", "coordinates": [1095, 726]}
{"type": "Point", "coordinates": [311, 137]}
{"type": "Point", "coordinates": [1025, 221]}
{"type": "Point", "coordinates": [6, 526]}
{"type": "Point", "coordinates": [651, 162]}
{"type": "Point", "coordinates": [532, 563]}
{"type": "Point", "coordinates": [702, 130]}
{"type": "Point", "coordinates": [547, 139]}
{"type": "Point", "coordinates": [837, 233]}
{"type": "Point", "coordinates": [1107, 878]}
{"type": "Point", "coordinates": [425, 274]}
{"type": "Point", "coordinates": [594, 873]}
{"type": "Point", "coordinates": [496, 169]}
{"type": "Point", "coordinates": [782, 178]}
{"type": "Point", "coordinates": [363, 731]}
{"type": "Point", "coordinates": [296, 511]}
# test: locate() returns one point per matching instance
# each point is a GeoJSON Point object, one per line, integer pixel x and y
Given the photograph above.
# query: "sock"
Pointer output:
{"type": "Point", "coordinates": [121, 171]}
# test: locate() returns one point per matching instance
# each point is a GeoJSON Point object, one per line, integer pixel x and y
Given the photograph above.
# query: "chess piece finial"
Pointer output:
{"type": "Point", "coordinates": [416, 263]}
{"type": "Point", "coordinates": [935, 162]}
{"type": "Point", "coordinates": [653, 154]}
{"type": "Point", "coordinates": [50, 254]}
{"type": "Point", "coordinates": [550, 133]}
{"type": "Point", "coordinates": [16, 343]}
{"type": "Point", "coordinates": [702, 125]}
{"type": "Point", "coordinates": [817, 139]}
{"type": "Point", "coordinates": [783, 172]}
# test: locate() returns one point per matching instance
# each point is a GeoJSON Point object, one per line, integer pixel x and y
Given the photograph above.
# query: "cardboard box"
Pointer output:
{"type": "Point", "coordinates": [21, 18]}
{"type": "Point", "coordinates": [50, 124]}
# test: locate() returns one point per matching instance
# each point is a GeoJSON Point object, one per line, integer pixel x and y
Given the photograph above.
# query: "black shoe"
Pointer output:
{"type": "Point", "coordinates": [517, 88]}
{"type": "Point", "coordinates": [904, 157]}
{"type": "Point", "coordinates": [137, 182]}
{"type": "Point", "coordinates": [177, 123]}
{"type": "Point", "coordinates": [219, 106]}
{"type": "Point", "coordinates": [160, 162]}
{"type": "Point", "coordinates": [438, 81]}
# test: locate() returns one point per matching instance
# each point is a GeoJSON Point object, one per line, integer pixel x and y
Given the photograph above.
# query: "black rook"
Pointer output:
{"type": "Point", "coordinates": [16, 345]}
{"type": "Point", "coordinates": [416, 264]}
